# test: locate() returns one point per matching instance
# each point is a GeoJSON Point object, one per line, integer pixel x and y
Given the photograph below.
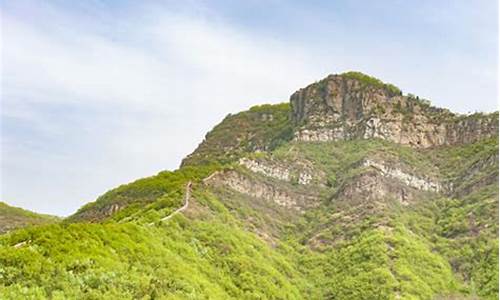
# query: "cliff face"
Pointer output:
{"type": "Point", "coordinates": [348, 106]}
{"type": "Point", "coordinates": [284, 195]}
{"type": "Point", "coordinates": [354, 106]}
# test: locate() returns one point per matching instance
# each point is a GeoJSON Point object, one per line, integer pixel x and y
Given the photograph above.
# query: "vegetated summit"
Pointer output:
{"type": "Point", "coordinates": [352, 190]}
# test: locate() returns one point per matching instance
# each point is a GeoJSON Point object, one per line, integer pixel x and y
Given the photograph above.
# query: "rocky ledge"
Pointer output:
{"type": "Point", "coordinates": [285, 196]}
{"type": "Point", "coordinates": [298, 172]}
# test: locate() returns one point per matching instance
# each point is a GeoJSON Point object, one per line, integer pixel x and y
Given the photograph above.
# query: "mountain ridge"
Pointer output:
{"type": "Point", "coordinates": [306, 199]}
{"type": "Point", "coordinates": [12, 218]}
{"type": "Point", "coordinates": [369, 107]}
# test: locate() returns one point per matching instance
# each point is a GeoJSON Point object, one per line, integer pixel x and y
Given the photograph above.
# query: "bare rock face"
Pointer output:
{"type": "Point", "coordinates": [298, 172]}
{"type": "Point", "coordinates": [382, 180]}
{"type": "Point", "coordinates": [97, 215]}
{"type": "Point", "coordinates": [421, 183]}
{"type": "Point", "coordinates": [341, 107]}
{"type": "Point", "coordinates": [270, 192]}
{"type": "Point", "coordinates": [369, 187]}
{"type": "Point", "coordinates": [271, 170]}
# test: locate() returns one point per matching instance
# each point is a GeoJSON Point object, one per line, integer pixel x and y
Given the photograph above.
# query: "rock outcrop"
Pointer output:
{"type": "Point", "coordinates": [278, 194]}
{"type": "Point", "coordinates": [381, 180]}
{"type": "Point", "coordinates": [271, 170]}
{"type": "Point", "coordinates": [98, 214]}
{"type": "Point", "coordinates": [421, 183]}
{"type": "Point", "coordinates": [372, 188]}
{"type": "Point", "coordinates": [298, 172]}
{"type": "Point", "coordinates": [342, 107]}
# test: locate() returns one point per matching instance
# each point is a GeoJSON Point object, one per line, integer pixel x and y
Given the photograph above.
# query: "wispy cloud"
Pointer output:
{"type": "Point", "coordinates": [101, 93]}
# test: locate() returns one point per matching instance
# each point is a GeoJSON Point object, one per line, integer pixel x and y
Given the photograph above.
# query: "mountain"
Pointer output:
{"type": "Point", "coordinates": [352, 190]}
{"type": "Point", "coordinates": [13, 217]}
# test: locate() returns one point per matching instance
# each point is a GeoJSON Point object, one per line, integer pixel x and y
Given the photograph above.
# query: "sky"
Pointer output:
{"type": "Point", "coordinates": [99, 93]}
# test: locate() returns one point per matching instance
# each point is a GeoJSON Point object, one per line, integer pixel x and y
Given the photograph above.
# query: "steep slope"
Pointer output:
{"type": "Point", "coordinates": [351, 191]}
{"type": "Point", "coordinates": [261, 128]}
{"type": "Point", "coordinates": [13, 217]}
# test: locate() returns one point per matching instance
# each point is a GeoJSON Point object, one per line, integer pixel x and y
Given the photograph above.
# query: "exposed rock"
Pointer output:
{"type": "Point", "coordinates": [299, 172]}
{"type": "Point", "coordinates": [21, 244]}
{"type": "Point", "coordinates": [418, 182]}
{"type": "Point", "coordinates": [383, 180]}
{"type": "Point", "coordinates": [372, 188]}
{"type": "Point", "coordinates": [340, 108]}
{"type": "Point", "coordinates": [305, 178]}
{"type": "Point", "coordinates": [97, 215]}
{"type": "Point", "coordinates": [258, 189]}
{"type": "Point", "coordinates": [273, 170]}
{"type": "Point", "coordinates": [478, 166]}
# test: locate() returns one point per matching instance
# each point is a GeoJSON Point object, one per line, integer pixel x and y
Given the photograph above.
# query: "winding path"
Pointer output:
{"type": "Point", "coordinates": [187, 195]}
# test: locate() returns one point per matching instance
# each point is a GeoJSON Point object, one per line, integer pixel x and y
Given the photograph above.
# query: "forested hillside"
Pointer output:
{"type": "Point", "coordinates": [352, 190]}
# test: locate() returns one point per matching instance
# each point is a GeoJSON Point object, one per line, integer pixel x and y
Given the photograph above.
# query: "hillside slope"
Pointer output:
{"type": "Point", "coordinates": [351, 191]}
{"type": "Point", "coordinates": [13, 217]}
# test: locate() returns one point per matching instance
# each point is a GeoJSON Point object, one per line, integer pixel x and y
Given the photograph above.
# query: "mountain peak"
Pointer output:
{"type": "Point", "coordinates": [345, 106]}
{"type": "Point", "coordinates": [267, 207]}
{"type": "Point", "coordinates": [357, 80]}
{"type": "Point", "coordinates": [354, 105]}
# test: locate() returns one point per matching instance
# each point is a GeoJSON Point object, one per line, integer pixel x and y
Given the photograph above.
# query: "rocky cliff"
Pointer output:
{"type": "Point", "coordinates": [346, 106]}
{"type": "Point", "coordinates": [354, 106]}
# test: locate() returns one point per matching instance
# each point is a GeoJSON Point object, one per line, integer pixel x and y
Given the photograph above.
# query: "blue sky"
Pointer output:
{"type": "Point", "coordinates": [100, 93]}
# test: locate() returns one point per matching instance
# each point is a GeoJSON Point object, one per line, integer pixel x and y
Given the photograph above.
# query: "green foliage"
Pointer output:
{"type": "Point", "coordinates": [146, 198]}
{"type": "Point", "coordinates": [381, 265]}
{"type": "Point", "coordinates": [232, 245]}
{"type": "Point", "coordinates": [372, 81]}
{"type": "Point", "coordinates": [14, 217]}
{"type": "Point", "coordinates": [454, 160]}
{"type": "Point", "coordinates": [468, 236]}
{"type": "Point", "coordinates": [282, 108]}
{"type": "Point", "coordinates": [339, 159]}
{"type": "Point", "coordinates": [183, 259]}
{"type": "Point", "coordinates": [261, 128]}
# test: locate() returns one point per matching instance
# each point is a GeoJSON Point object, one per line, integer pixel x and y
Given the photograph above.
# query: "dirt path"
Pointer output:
{"type": "Point", "coordinates": [187, 195]}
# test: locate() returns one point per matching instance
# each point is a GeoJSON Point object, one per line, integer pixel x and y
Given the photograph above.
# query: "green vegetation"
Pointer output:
{"type": "Point", "coordinates": [339, 159]}
{"type": "Point", "coordinates": [251, 236]}
{"type": "Point", "coordinates": [14, 217]}
{"type": "Point", "coordinates": [184, 260]}
{"type": "Point", "coordinates": [379, 265]}
{"type": "Point", "coordinates": [262, 128]}
{"type": "Point", "coordinates": [146, 199]}
{"type": "Point", "coordinates": [232, 246]}
{"type": "Point", "coordinates": [372, 81]}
